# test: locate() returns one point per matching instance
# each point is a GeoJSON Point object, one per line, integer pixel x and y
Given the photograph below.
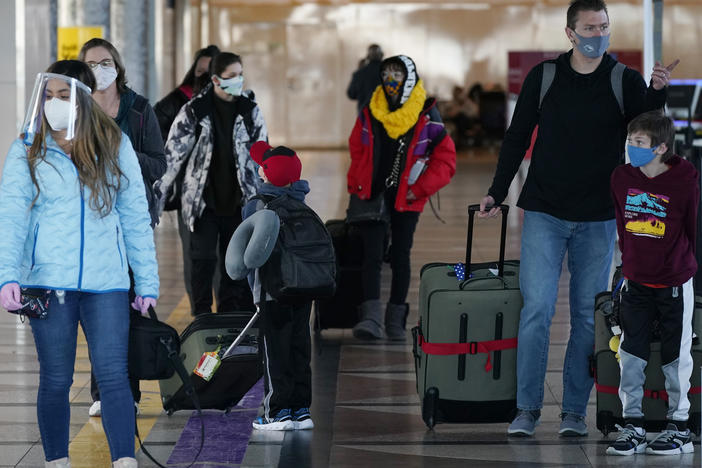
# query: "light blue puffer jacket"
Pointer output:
{"type": "Point", "coordinates": [61, 243]}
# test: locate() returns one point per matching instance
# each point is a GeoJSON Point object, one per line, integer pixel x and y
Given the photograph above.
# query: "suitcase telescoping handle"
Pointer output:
{"type": "Point", "coordinates": [472, 209]}
{"type": "Point", "coordinates": [238, 339]}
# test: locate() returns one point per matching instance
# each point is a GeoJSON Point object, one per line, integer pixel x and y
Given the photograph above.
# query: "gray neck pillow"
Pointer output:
{"type": "Point", "coordinates": [252, 243]}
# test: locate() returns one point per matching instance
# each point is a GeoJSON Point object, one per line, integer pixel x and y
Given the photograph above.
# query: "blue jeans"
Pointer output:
{"type": "Point", "coordinates": [545, 240]}
{"type": "Point", "coordinates": [105, 321]}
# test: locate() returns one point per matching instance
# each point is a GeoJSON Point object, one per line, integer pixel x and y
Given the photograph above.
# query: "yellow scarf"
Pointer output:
{"type": "Point", "coordinates": [397, 123]}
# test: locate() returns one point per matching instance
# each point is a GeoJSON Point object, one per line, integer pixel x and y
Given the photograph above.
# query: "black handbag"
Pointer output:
{"type": "Point", "coordinates": [374, 210]}
{"type": "Point", "coordinates": [154, 354]}
{"type": "Point", "coordinates": [152, 345]}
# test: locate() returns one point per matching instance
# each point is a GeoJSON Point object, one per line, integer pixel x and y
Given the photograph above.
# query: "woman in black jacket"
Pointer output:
{"type": "Point", "coordinates": [166, 110]}
{"type": "Point", "coordinates": [135, 117]}
{"type": "Point", "coordinates": [197, 77]}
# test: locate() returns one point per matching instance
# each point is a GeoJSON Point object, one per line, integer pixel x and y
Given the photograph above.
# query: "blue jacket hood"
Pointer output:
{"type": "Point", "coordinates": [296, 190]}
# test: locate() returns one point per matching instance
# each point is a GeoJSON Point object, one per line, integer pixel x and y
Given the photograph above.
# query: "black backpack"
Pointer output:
{"type": "Point", "coordinates": [302, 266]}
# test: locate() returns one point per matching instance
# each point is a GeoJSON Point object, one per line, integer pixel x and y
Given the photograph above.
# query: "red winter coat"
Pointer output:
{"type": "Point", "coordinates": [427, 132]}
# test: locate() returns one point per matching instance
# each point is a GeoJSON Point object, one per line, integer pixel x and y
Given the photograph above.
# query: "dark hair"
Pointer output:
{"type": "Point", "coordinates": [394, 62]}
{"type": "Point", "coordinates": [375, 53]}
{"type": "Point", "coordinates": [576, 6]}
{"type": "Point", "coordinates": [119, 64]}
{"type": "Point", "coordinates": [658, 127]}
{"type": "Point", "coordinates": [190, 79]}
{"type": "Point", "coordinates": [222, 61]}
{"type": "Point", "coordinates": [75, 69]}
{"type": "Point", "coordinates": [475, 91]}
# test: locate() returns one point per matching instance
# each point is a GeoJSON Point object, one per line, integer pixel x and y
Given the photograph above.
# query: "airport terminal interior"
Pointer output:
{"type": "Point", "coordinates": [298, 57]}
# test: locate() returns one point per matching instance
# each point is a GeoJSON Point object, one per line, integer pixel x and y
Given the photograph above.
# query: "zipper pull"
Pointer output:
{"type": "Point", "coordinates": [61, 296]}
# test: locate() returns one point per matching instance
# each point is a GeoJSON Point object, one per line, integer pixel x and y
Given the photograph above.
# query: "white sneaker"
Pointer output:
{"type": "Point", "coordinates": [95, 409]}
{"type": "Point", "coordinates": [60, 463]}
{"type": "Point", "coordinates": [126, 462]}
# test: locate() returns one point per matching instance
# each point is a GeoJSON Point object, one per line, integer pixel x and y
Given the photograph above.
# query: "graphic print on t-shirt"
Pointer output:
{"type": "Point", "coordinates": [644, 213]}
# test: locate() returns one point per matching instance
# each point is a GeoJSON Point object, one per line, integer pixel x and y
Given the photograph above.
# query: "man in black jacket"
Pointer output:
{"type": "Point", "coordinates": [566, 202]}
{"type": "Point", "coordinates": [366, 78]}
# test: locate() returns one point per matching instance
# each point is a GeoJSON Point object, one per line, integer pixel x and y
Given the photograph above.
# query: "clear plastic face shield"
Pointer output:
{"type": "Point", "coordinates": [58, 101]}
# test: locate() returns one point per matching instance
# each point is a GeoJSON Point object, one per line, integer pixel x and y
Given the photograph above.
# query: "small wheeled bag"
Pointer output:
{"type": "Point", "coordinates": [465, 345]}
{"type": "Point", "coordinates": [655, 399]}
{"type": "Point", "coordinates": [236, 374]}
{"type": "Point", "coordinates": [341, 310]}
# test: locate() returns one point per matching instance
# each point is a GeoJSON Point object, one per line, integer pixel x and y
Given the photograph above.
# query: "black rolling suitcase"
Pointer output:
{"type": "Point", "coordinates": [606, 371]}
{"type": "Point", "coordinates": [465, 345]}
{"type": "Point", "coordinates": [341, 310]}
{"type": "Point", "coordinates": [236, 374]}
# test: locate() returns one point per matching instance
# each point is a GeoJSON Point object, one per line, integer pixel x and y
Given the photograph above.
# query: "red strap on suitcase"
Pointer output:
{"type": "Point", "coordinates": [654, 394]}
{"type": "Point", "coordinates": [474, 347]}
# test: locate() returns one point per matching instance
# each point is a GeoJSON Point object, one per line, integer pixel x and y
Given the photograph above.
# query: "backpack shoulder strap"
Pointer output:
{"type": "Point", "coordinates": [549, 73]}
{"type": "Point", "coordinates": [617, 78]}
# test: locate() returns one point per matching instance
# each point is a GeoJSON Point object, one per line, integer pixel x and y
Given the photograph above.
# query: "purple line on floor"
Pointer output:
{"type": "Point", "coordinates": [226, 435]}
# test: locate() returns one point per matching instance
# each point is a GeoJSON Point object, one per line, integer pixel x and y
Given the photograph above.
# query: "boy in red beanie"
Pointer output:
{"type": "Point", "coordinates": [285, 343]}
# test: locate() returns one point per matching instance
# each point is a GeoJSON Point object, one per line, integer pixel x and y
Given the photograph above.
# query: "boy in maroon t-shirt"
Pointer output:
{"type": "Point", "coordinates": [655, 203]}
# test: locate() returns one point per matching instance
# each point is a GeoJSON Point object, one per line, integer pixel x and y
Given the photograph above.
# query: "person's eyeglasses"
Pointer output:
{"type": "Point", "coordinates": [107, 63]}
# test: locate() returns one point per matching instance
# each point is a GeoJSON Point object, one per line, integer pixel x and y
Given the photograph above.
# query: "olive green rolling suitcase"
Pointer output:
{"type": "Point", "coordinates": [465, 344]}
{"type": "Point", "coordinates": [606, 371]}
{"type": "Point", "coordinates": [236, 374]}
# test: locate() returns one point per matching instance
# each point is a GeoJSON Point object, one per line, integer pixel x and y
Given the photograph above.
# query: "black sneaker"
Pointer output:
{"type": "Point", "coordinates": [671, 442]}
{"type": "Point", "coordinates": [628, 442]}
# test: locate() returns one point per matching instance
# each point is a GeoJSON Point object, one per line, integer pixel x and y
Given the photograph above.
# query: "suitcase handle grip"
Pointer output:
{"type": "Point", "coordinates": [466, 283]}
{"type": "Point", "coordinates": [472, 209]}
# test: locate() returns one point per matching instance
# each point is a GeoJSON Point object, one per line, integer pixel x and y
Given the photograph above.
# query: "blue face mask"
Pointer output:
{"type": "Point", "coordinates": [640, 156]}
{"type": "Point", "coordinates": [233, 86]}
{"type": "Point", "coordinates": [592, 47]}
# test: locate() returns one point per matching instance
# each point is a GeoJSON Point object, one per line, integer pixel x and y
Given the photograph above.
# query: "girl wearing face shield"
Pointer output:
{"type": "Point", "coordinates": [399, 151]}
{"type": "Point", "coordinates": [135, 117]}
{"type": "Point", "coordinates": [72, 198]}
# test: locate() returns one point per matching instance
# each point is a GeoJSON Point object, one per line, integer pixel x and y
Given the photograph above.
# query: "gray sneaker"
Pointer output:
{"type": "Point", "coordinates": [572, 425]}
{"type": "Point", "coordinates": [524, 423]}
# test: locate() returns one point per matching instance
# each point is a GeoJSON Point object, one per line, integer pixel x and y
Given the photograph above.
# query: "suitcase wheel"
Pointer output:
{"type": "Point", "coordinates": [431, 398]}
{"type": "Point", "coordinates": [605, 422]}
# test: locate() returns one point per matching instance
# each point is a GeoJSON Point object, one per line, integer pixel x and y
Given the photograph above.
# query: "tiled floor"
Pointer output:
{"type": "Point", "coordinates": [365, 408]}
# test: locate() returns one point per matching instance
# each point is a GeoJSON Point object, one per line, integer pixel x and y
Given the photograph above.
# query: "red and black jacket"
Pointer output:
{"type": "Point", "coordinates": [428, 135]}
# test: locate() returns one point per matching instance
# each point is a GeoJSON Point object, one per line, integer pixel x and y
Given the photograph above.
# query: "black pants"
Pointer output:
{"type": "Point", "coordinates": [213, 232]}
{"type": "Point", "coordinates": [402, 227]}
{"type": "Point", "coordinates": [641, 306]}
{"type": "Point", "coordinates": [285, 347]}
{"type": "Point", "coordinates": [184, 233]}
{"type": "Point", "coordinates": [671, 310]}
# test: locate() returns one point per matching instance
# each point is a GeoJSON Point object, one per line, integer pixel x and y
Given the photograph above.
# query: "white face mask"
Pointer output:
{"type": "Point", "coordinates": [233, 86]}
{"type": "Point", "coordinates": [57, 113]}
{"type": "Point", "coordinates": [104, 76]}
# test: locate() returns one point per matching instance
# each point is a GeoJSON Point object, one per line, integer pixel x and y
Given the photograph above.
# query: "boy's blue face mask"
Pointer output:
{"type": "Point", "coordinates": [640, 156]}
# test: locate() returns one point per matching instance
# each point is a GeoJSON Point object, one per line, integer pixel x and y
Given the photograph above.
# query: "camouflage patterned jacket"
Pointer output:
{"type": "Point", "coordinates": [191, 141]}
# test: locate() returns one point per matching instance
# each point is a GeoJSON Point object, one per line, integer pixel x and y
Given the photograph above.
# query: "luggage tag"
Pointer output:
{"type": "Point", "coordinates": [208, 364]}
